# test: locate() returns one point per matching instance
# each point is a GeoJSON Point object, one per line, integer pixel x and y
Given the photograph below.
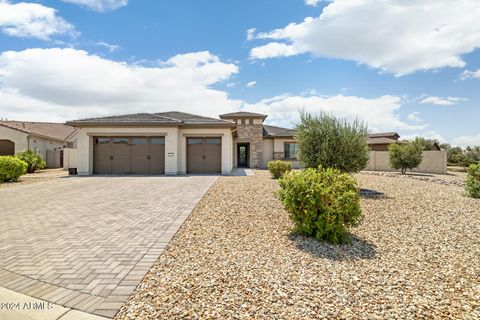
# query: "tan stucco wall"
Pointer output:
{"type": "Point", "coordinates": [432, 162]}
{"type": "Point", "coordinates": [267, 151]}
{"type": "Point", "coordinates": [18, 137]}
{"type": "Point", "coordinates": [42, 145]}
{"type": "Point", "coordinates": [279, 150]}
{"type": "Point", "coordinates": [175, 145]}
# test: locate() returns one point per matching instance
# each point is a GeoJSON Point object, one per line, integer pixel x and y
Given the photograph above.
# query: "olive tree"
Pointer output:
{"type": "Point", "coordinates": [406, 155]}
{"type": "Point", "coordinates": [332, 142]}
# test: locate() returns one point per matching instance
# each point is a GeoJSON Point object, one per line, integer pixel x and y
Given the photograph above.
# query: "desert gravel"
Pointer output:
{"type": "Point", "coordinates": [36, 177]}
{"type": "Point", "coordinates": [416, 255]}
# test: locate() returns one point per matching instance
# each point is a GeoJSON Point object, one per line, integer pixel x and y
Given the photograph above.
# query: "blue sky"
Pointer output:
{"type": "Point", "coordinates": [406, 66]}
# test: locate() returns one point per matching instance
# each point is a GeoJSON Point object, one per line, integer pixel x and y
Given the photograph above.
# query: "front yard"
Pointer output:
{"type": "Point", "coordinates": [416, 255]}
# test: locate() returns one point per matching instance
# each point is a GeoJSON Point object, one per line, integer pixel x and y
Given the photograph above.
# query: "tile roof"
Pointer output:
{"type": "Point", "coordinates": [57, 131]}
{"type": "Point", "coordinates": [384, 135]}
{"type": "Point", "coordinates": [163, 118]}
{"type": "Point", "coordinates": [243, 114]}
{"type": "Point", "coordinates": [272, 131]}
{"type": "Point", "coordinates": [380, 140]}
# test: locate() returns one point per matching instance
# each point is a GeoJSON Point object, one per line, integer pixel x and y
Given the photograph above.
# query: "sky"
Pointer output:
{"type": "Point", "coordinates": [410, 66]}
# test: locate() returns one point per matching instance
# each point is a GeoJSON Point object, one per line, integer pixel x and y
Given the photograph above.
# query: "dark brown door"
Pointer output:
{"type": "Point", "coordinates": [204, 155]}
{"type": "Point", "coordinates": [140, 155]}
{"type": "Point", "coordinates": [7, 148]}
{"type": "Point", "coordinates": [121, 155]}
{"type": "Point", "coordinates": [102, 155]}
{"type": "Point", "coordinates": [157, 155]}
{"type": "Point", "coordinates": [243, 155]}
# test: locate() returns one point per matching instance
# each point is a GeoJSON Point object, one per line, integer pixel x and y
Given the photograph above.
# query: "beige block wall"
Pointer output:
{"type": "Point", "coordinates": [432, 162]}
{"type": "Point", "coordinates": [70, 158]}
{"type": "Point", "coordinates": [18, 137]}
{"type": "Point", "coordinates": [175, 145]}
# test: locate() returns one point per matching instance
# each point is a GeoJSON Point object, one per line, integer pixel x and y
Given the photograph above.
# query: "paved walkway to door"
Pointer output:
{"type": "Point", "coordinates": [86, 242]}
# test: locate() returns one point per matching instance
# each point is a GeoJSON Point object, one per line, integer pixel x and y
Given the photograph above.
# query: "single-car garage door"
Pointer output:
{"type": "Point", "coordinates": [124, 155]}
{"type": "Point", "coordinates": [204, 155]}
{"type": "Point", "coordinates": [7, 148]}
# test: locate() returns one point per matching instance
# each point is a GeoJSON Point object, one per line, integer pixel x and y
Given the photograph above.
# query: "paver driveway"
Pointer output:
{"type": "Point", "coordinates": [86, 242]}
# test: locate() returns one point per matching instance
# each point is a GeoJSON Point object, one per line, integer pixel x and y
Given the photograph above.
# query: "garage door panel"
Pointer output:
{"type": "Point", "coordinates": [102, 152]}
{"type": "Point", "coordinates": [140, 156]}
{"type": "Point", "coordinates": [204, 155]}
{"type": "Point", "coordinates": [157, 155]}
{"type": "Point", "coordinates": [121, 156]}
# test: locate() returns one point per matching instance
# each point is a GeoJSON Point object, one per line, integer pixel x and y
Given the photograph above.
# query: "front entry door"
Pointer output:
{"type": "Point", "coordinates": [243, 155]}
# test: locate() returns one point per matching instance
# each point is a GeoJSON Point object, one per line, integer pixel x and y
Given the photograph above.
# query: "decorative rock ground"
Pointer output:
{"type": "Point", "coordinates": [416, 255]}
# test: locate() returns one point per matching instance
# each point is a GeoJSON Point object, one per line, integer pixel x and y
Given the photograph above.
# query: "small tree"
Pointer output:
{"type": "Point", "coordinates": [329, 142]}
{"type": "Point", "coordinates": [426, 144]}
{"type": "Point", "coordinates": [472, 184]}
{"type": "Point", "coordinates": [407, 155]}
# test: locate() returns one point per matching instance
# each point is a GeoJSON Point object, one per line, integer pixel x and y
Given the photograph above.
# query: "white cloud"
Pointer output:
{"type": "Point", "coordinates": [425, 134]}
{"type": "Point", "coordinates": [32, 20]}
{"type": "Point", "coordinates": [414, 116]}
{"type": "Point", "coordinates": [273, 50]}
{"type": "Point", "coordinates": [251, 84]}
{"type": "Point", "coordinates": [251, 34]}
{"type": "Point", "coordinates": [110, 47]}
{"type": "Point", "coordinates": [60, 84]}
{"type": "Point", "coordinates": [312, 3]}
{"type": "Point", "coordinates": [381, 113]}
{"type": "Point", "coordinates": [470, 74]}
{"type": "Point", "coordinates": [465, 141]}
{"type": "Point", "coordinates": [400, 37]}
{"type": "Point", "coordinates": [440, 101]}
{"type": "Point", "coordinates": [100, 5]}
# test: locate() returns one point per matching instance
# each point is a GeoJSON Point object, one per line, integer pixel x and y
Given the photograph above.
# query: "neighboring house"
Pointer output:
{"type": "Point", "coordinates": [381, 141]}
{"type": "Point", "coordinates": [42, 137]}
{"type": "Point", "coordinates": [179, 143]}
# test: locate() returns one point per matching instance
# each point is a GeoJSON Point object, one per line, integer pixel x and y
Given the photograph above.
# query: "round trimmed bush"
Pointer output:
{"type": "Point", "coordinates": [11, 168]}
{"type": "Point", "coordinates": [323, 203]}
{"type": "Point", "coordinates": [278, 168]}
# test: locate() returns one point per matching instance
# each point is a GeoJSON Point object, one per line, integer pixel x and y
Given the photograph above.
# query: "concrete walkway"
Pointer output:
{"type": "Point", "coordinates": [86, 242]}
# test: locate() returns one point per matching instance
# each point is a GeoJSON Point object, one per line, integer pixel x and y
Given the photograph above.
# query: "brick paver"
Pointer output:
{"type": "Point", "coordinates": [86, 242]}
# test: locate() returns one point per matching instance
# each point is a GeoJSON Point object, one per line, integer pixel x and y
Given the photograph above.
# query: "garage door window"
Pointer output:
{"type": "Point", "coordinates": [216, 141]}
{"type": "Point", "coordinates": [139, 141]}
{"type": "Point", "coordinates": [158, 140]}
{"type": "Point", "coordinates": [102, 141]}
{"type": "Point", "coordinates": [193, 141]}
{"type": "Point", "coordinates": [120, 141]}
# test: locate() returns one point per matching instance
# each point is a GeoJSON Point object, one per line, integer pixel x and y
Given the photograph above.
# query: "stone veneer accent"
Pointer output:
{"type": "Point", "coordinates": [252, 133]}
{"type": "Point", "coordinates": [278, 156]}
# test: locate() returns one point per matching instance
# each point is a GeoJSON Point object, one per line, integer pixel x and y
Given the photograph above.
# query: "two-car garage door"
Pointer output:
{"type": "Point", "coordinates": [122, 155]}
{"type": "Point", "coordinates": [146, 155]}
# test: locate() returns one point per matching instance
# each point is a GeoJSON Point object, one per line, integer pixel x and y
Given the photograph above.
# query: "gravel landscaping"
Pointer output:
{"type": "Point", "coordinates": [416, 255]}
{"type": "Point", "coordinates": [36, 177]}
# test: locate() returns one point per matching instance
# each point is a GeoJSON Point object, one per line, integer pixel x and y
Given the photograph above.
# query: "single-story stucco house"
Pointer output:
{"type": "Point", "coordinates": [41, 137]}
{"type": "Point", "coordinates": [178, 143]}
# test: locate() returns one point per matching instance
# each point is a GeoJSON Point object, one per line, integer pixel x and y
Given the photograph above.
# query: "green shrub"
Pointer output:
{"type": "Point", "coordinates": [33, 159]}
{"type": "Point", "coordinates": [472, 184]}
{"type": "Point", "coordinates": [407, 155]}
{"type": "Point", "coordinates": [323, 203]}
{"type": "Point", "coordinates": [277, 168]}
{"type": "Point", "coordinates": [11, 168]}
{"type": "Point", "coordinates": [332, 143]}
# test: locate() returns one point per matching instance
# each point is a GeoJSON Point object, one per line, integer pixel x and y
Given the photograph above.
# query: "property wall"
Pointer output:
{"type": "Point", "coordinates": [54, 158]}
{"type": "Point", "coordinates": [69, 158]}
{"type": "Point", "coordinates": [432, 162]}
{"type": "Point", "coordinates": [18, 137]}
{"type": "Point", "coordinates": [175, 145]}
